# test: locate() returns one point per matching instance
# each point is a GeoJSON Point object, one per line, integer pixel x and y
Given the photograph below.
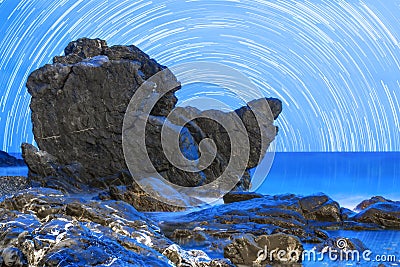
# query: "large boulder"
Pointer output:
{"type": "Point", "coordinates": [79, 102]}
{"type": "Point", "coordinates": [320, 207]}
{"type": "Point", "coordinates": [78, 107]}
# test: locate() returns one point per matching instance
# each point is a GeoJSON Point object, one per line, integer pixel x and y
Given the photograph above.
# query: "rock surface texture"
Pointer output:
{"type": "Point", "coordinates": [241, 229]}
{"type": "Point", "coordinates": [78, 106]}
{"type": "Point", "coordinates": [44, 227]}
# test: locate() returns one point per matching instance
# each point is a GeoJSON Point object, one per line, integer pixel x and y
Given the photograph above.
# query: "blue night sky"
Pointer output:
{"type": "Point", "coordinates": [335, 64]}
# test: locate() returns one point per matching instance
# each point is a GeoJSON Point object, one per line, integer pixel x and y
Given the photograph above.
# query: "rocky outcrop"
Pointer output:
{"type": "Point", "coordinates": [7, 160]}
{"type": "Point", "coordinates": [368, 202]}
{"type": "Point", "coordinates": [79, 102]}
{"type": "Point", "coordinates": [320, 207]}
{"type": "Point", "coordinates": [249, 250]}
{"type": "Point", "coordinates": [215, 228]}
{"type": "Point", "coordinates": [385, 214]}
{"type": "Point", "coordinates": [11, 184]}
{"type": "Point", "coordinates": [226, 228]}
{"type": "Point", "coordinates": [44, 227]}
{"type": "Point", "coordinates": [78, 106]}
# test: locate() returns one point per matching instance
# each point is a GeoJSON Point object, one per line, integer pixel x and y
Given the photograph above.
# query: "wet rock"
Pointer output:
{"type": "Point", "coordinates": [240, 196]}
{"type": "Point", "coordinates": [12, 184]}
{"type": "Point", "coordinates": [13, 257]}
{"type": "Point", "coordinates": [142, 201]}
{"type": "Point", "coordinates": [48, 228]}
{"type": "Point", "coordinates": [243, 250]}
{"type": "Point", "coordinates": [259, 251]}
{"type": "Point", "coordinates": [180, 257]}
{"type": "Point", "coordinates": [385, 214]}
{"type": "Point", "coordinates": [188, 235]}
{"type": "Point", "coordinates": [52, 229]}
{"type": "Point", "coordinates": [320, 208]}
{"type": "Point", "coordinates": [281, 214]}
{"type": "Point", "coordinates": [366, 203]}
{"type": "Point", "coordinates": [7, 160]}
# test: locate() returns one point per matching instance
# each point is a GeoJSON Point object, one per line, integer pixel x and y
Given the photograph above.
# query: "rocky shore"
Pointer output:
{"type": "Point", "coordinates": [45, 227]}
{"type": "Point", "coordinates": [81, 204]}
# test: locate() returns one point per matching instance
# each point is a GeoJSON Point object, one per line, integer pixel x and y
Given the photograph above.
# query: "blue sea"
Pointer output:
{"type": "Point", "coordinates": [348, 178]}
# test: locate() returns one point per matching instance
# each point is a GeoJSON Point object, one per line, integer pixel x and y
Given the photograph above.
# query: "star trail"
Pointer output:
{"type": "Point", "coordinates": [334, 64]}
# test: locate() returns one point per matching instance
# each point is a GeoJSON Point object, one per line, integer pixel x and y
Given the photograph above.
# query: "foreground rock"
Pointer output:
{"type": "Point", "coordinates": [78, 105]}
{"type": "Point", "coordinates": [226, 228]}
{"type": "Point", "coordinates": [215, 228]}
{"type": "Point", "coordinates": [7, 160]}
{"type": "Point", "coordinates": [11, 184]}
{"type": "Point", "coordinates": [249, 250]}
{"type": "Point", "coordinates": [43, 227]}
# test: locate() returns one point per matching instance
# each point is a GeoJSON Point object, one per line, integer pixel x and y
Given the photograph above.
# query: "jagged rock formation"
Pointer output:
{"type": "Point", "coordinates": [369, 202]}
{"type": "Point", "coordinates": [12, 184]}
{"type": "Point", "coordinates": [385, 214]}
{"type": "Point", "coordinates": [249, 250]}
{"type": "Point", "coordinates": [240, 229]}
{"type": "Point", "coordinates": [78, 106]}
{"type": "Point", "coordinates": [44, 227]}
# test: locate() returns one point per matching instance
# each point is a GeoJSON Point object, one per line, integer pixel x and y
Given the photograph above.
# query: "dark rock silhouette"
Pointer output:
{"type": "Point", "coordinates": [240, 196]}
{"type": "Point", "coordinates": [78, 106]}
{"type": "Point", "coordinates": [6, 160]}
{"type": "Point", "coordinates": [368, 202]}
